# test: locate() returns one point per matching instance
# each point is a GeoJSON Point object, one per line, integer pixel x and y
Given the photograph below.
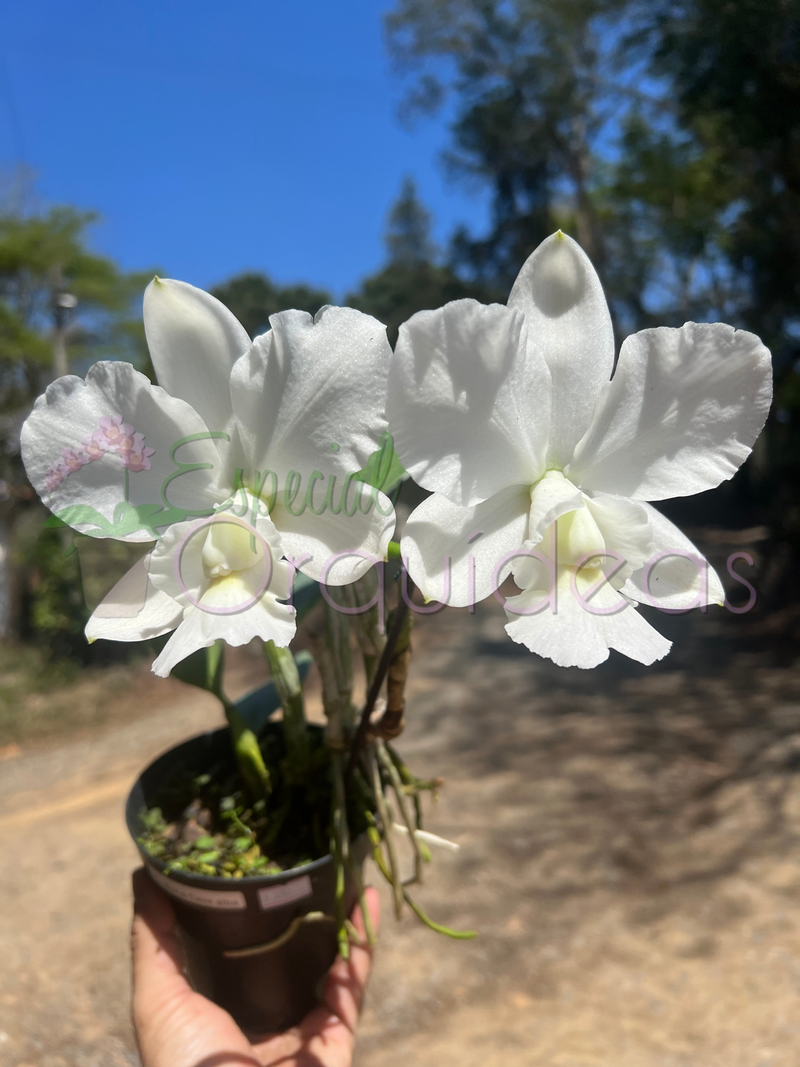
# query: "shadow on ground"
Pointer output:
{"type": "Point", "coordinates": [627, 828]}
{"type": "Point", "coordinates": [629, 855]}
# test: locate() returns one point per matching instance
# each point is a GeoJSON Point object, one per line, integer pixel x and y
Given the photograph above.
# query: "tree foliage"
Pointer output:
{"type": "Point", "coordinates": [412, 279]}
{"type": "Point", "coordinates": [525, 75]}
{"type": "Point", "coordinates": [408, 231]}
{"type": "Point", "coordinates": [43, 258]}
{"type": "Point", "coordinates": [734, 70]}
{"type": "Point", "coordinates": [253, 297]}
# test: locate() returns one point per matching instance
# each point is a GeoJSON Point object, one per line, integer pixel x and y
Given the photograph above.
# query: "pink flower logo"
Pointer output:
{"type": "Point", "coordinates": [113, 432]}
{"type": "Point", "coordinates": [138, 461]}
{"type": "Point", "coordinates": [73, 461]}
{"type": "Point", "coordinates": [92, 448]}
{"type": "Point", "coordinates": [112, 436]}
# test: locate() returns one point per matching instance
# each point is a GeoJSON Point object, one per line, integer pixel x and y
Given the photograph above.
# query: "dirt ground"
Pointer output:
{"type": "Point", "coordinates": [629, 836]}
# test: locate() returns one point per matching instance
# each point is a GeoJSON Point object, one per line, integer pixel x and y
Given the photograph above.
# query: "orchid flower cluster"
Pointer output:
{"type": "Point", "coordinates": [540, 458]}
{"type": "Point", "coordinates": [539, 462]}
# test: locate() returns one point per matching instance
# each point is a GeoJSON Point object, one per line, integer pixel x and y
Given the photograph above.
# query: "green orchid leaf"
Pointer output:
{"type": "Point", "coordinates": [52, 522]}
{"type": "Point", "coordinates": [203, 668]}
{"type": "Point", "coordinates": [305, 595]}
{"type": "Point", "coordinates": [215, 664]}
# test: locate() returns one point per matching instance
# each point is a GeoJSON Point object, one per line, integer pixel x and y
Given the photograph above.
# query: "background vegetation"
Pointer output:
{"type": "Point", "coordinates": [665, 136]}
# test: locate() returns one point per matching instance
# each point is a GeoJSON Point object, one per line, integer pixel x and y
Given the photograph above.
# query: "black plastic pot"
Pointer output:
{"type": "Point", "coordinates": [244, 947]}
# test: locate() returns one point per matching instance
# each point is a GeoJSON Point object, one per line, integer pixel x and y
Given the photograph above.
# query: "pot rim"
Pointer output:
{"type": "Point", "coordinates": [209, 881]}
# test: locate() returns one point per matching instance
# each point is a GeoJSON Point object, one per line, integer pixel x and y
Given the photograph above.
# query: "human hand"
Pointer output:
{"type": "Point", "coordinates": [176, 1027]}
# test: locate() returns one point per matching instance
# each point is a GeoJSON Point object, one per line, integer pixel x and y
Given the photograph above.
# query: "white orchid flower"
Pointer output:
{"type": "Point", "coordinates": [541, 463]}
{"type": "Point", "coordinates": [243, 458]}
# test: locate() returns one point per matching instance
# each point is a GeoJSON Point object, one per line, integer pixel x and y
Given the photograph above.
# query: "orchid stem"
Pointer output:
{"type": "Point", "coordinates": [248, 753]}
{"type": "Point", "coordinates": [397, 788]}
{"type": "Point", "coordinates": [245, 743]}
{"type": "Point", "coordinates": [367, 622]}
{"type": "Point", "coordinates": [340, 849]}
{"type": "Point", "coordinates": [386, 822]}
{"type": "Point", "coordinates": [290, 691]}
{"type": "Point", "coordinates": [343, 841]}
{"type": "Point", "coordinates": [333, 656]}
{"type": "Point", "coordinates": [377, 680]}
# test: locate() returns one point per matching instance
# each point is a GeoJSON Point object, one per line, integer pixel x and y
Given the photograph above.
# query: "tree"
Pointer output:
{"type": "Point", "coordinates": [525, 75]}
{"type": "Point", "coordinates": [59, 303]}
{"type": "Point", "coordinates": [45, 266]}
{"type": "Point", "coordinates": [408, 232]}
{"type": "Point", "coordinates": [550, 116]}
{"type": "Point", "coordinates": [734, 69]}
{"type": "Point", "coordinates": [252, 298]}
{"type": "Point", "coordinates": [411, 280]}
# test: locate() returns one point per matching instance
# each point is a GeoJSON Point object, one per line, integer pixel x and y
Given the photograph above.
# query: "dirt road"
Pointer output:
{"type": "Point", "coordinates": [629, 854]}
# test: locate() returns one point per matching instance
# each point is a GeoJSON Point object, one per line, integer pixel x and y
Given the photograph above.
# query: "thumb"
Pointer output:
{"type": "Point", "coordinates": [175, 1027]}
{"type": "Point", "coordinates": [157, 958]}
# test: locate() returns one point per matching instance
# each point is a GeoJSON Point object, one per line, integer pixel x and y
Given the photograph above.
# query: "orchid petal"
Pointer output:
{"type": "Point", "coordinates": [680, 415]}
{"type": "Point", "coordinates": [676, 575]}
{"type": "Point", "coordinates": [552, 497]}
{"type": "Point", "coordinates": [567, 636]}
{"type": "Point", "coordinates": [194, 342]}
{"type": "Point", "coordinates": [336, 547]}
{"type": "Point", "coordinates": [568, 322]}
{"type": "Point", "coordinates": [178, 561]}
{"type": "Point", "coordinates": [629, 633]}
{"type": "Point", "coordinates": [573, 636]}
{"type": "Point", "coordinates": [626, 530]}
{"type": "Point", "coordinates": [234, 610]}
{"type": "Point", "coordinates": [468, 401]}
{"type": "Point", "coordinates": [532, 566]}
{"type": "Point", "coordinates": [310, 394]}
{"type": "Point", "coordinates": [134, 610]}
{"type": "Point", "coordinates": [456, 555]}
{"type": "Point", "coordinates": [105, 487]}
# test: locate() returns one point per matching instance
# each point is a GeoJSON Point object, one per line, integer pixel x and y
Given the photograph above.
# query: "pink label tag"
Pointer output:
{"type": "Point", "coordinates": [225, 900]}
{"type": "Point", "coordinates": [273, 896]}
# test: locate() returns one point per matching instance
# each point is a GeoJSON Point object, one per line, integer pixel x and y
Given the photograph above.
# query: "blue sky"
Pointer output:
{"type": "Point", "coordinates": [218, 137]}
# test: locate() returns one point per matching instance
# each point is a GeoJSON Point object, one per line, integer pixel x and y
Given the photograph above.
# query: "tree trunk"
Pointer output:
{"type": "Point", "coordinates": [5, 578]}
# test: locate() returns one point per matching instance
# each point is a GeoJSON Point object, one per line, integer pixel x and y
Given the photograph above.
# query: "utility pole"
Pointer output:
{"type": "Point", "coordinates": [63, 303]}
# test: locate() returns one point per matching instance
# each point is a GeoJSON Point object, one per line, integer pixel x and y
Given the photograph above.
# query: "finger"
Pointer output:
{"type": "Point", "coordinates": [157, 959]}
{"type": "Point", "coordinates": [347, 981]}
{"type": "Point", "coordinates": [328, 1032]}
{"type": "Point", "coordinates": [175, 1026]}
